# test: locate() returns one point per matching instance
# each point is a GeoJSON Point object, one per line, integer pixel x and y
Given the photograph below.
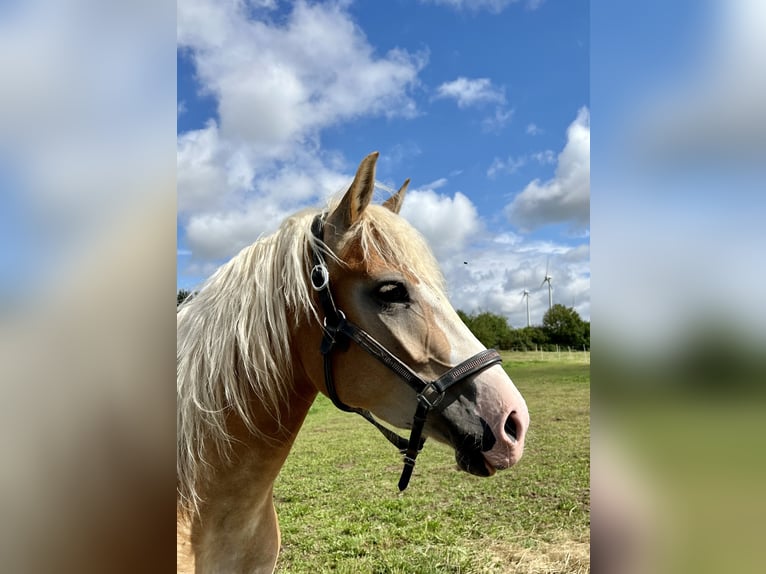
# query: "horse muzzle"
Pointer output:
{"type": "Point", "coordinates": [487, 426]}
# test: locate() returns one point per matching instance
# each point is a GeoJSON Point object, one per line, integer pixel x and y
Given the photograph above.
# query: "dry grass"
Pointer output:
{"type": "Point", "coordinates": [564, 555]}
{"type": "Point", "coordinates": [564, 355]}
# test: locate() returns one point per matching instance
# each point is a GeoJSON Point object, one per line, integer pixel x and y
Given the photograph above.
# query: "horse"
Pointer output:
{"type": "Point", "coordinates": [347, 301]}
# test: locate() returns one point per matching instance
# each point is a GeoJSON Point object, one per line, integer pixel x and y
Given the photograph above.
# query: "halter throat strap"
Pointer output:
{"type": "Point", "coordinates": [339, 331]}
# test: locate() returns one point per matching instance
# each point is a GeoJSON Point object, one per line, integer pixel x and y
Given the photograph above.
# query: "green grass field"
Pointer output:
{"type": "Point", "coordinates": [340, 509]}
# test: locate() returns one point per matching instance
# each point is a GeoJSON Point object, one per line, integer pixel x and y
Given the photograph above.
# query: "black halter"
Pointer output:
{"type": "Point", "coordinates": [338, 331]}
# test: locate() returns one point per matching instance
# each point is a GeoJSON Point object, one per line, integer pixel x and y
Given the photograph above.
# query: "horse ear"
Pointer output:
{"type": "Point", "coordinates": [358, 196]}
{"type": "Point", "coordinates": [394, 203]}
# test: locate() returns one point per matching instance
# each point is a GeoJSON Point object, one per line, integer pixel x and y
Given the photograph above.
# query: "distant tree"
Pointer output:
{"type": "Point", "coordinates": [517, 341]}
{"type": "Point", "coordinates": [564, 327]}
{"type": "Point", "coordinates": [528, 339]}
{"type": "Point", "coordinates": [182, 295]}
{"type": "Point", "coordinates": [465, 318]}
{"type": "Point", "coordinates": [492, 330]}
{"type": "Point", "coordinates": [537, 335]}
{"type": "Point", "coordinates": [561, 326]}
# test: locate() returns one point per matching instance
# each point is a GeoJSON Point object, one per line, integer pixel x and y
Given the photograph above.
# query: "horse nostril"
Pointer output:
{"type": "Point", "coordinates": [487, 436]}
{"type": "Point", "coordinates": [510, 426]}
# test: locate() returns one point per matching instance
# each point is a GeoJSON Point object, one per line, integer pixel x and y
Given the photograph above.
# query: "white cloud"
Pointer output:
{"type": "Point", "coordinates": [566, 197]}
{"type": "Point", "coordinates": [490, 5]}
{"type": "Point", "coordinates": [225, 207]}
{"type": "Point", "coordinates": [533, 130]}
{"type": "Point", "coordinates": [435, 184]}
{"type": "Point", "coordinates": [491, 275]}
{"type": "Point", "coordinates": [200, 179]}
{"type": "Point", "coordinates": [478, 92]}
{"type": "Point", "coordinates": [513, 164]}
{"type": "Point", "coordinates": [495, 6]}
{"type": "Point", "coordinates": [277, 85]}
{"type": "Point", "coordinates": [487, 271]}
{"type": "Point", "coordinates": [509, 166]}
{"type": "Point", "coordinates": [544, 157]}
{"type": "Point", "coordinates": [447, 223]}
{"type": "Point", "coordinates": [471, 92]}
{"type": "Point", "coordinates": [222, 234]}
{"type": "Point", "coordinates": [534, 4]}
{"type": "Point", "coordinates": [498, 120]}
{"type": "Point", "coordinates": [198, 269]}
{"type": "Point", "coordinates": [265, 4]}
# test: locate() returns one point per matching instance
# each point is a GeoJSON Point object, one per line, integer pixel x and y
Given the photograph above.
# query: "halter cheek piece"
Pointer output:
{"type": "Point", "coordinates": [338, 331]}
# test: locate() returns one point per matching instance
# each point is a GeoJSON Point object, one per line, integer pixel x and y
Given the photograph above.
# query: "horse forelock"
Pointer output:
{"type": "Point", "coordinates": [384, 237]}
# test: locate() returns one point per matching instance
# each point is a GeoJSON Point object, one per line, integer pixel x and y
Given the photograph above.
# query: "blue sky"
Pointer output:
{"type": "Point", "coordinates": [483, 104]}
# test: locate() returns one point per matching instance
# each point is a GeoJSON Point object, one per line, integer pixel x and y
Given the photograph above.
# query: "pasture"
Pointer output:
{"type": "Point", "coordinates": [340, 510]}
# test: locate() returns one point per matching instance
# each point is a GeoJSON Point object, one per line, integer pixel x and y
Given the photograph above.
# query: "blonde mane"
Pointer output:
{"type": "Point", "coordinates": [234, 336]}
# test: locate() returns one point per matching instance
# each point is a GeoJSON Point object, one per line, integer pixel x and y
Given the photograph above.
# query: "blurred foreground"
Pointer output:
{"type": "Point", "coordinates": [87, 276]}
{"type": "Point", "coordinates": [678, 370]}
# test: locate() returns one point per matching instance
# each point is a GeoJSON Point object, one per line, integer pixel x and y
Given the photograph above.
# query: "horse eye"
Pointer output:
{"type": "Point", "coordinates": [392, 292]}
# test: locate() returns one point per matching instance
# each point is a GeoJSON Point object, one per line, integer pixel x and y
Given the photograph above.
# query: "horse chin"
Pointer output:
{"type": "Point", "coordinates": [473, 462]}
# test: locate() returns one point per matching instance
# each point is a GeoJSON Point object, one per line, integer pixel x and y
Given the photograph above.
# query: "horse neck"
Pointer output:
{"type": "Point", "coordinates": [258, 458]}
{"type": "Point", "coordinates": [236, 528]}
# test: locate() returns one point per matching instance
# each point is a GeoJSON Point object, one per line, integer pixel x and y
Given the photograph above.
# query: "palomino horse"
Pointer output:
{"type": "Point", "coordinates": [348, 302]}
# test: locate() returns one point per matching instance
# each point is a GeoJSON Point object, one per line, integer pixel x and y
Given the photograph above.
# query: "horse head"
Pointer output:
{"type": "Point", "coordinates": [383, 279]}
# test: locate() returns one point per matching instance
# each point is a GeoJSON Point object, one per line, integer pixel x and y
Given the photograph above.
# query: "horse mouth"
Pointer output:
{"type": "Point", "coordinates": [473, 462]}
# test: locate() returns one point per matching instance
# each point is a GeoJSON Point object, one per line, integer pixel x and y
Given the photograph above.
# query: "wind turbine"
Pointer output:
{"type": "Point", "coordinates": [547, 280]}
{"type": "Point", "coordinates": [525, 293]}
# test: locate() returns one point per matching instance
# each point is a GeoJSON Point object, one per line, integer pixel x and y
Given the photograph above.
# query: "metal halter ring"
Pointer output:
{"type": "Point", "coordinates": [430, 396]}
{"type": "Point", "coordinates": [321, 271]}
{"type": "Point", "coordinates": [327, 327]}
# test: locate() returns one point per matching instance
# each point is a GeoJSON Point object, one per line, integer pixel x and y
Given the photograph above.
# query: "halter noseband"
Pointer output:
{"type": "Point", "coordinates": [338, 331]}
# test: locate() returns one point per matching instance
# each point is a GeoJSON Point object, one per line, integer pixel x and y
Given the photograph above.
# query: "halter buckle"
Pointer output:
{"type": "Point", "coordinates": [430, 396]}
{"type": "Point", "coordinates": [320, 277]}
{"type": "Point", "coordinates": [340, 318]}
{"type": "Point", "coordinates": [334, 338]}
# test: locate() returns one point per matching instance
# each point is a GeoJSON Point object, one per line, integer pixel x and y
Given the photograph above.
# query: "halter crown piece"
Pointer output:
{"type": "Point", "coordinates": [339, 331]}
